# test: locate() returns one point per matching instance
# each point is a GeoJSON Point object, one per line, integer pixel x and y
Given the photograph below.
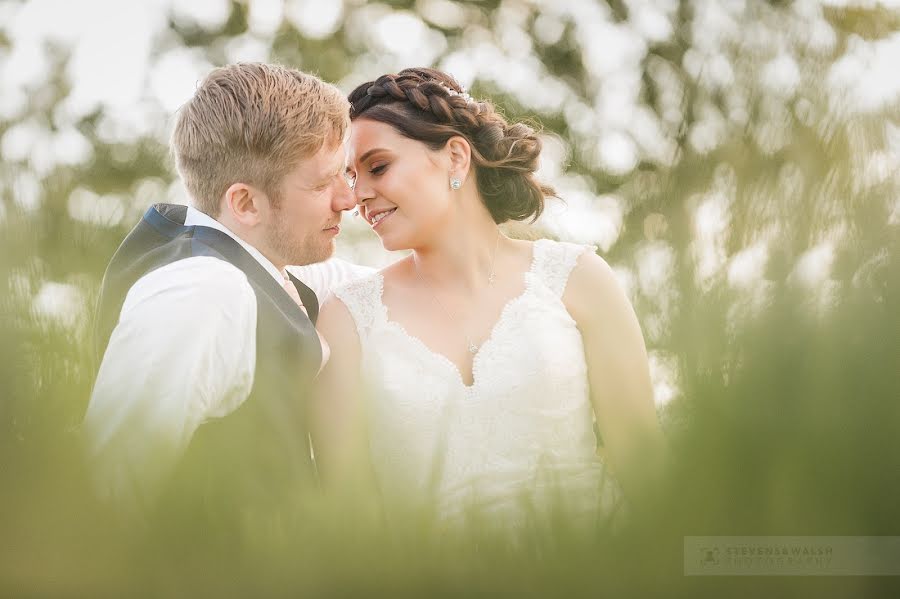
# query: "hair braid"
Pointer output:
{"type": "Point", "coordinates": [430, 106]}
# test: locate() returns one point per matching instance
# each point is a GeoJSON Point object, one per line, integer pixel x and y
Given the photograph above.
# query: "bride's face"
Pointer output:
{"type": "Point", "coordinates": [401, 185]}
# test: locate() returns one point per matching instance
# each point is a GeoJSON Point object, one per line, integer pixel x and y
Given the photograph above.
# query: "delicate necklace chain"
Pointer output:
{"type": "Point", "coordinates": [470, 345]}
{"type": "Point", "coordinates": [494, 259]}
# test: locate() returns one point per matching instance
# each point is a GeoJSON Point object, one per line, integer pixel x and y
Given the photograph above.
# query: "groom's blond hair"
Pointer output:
{"type": "Point", "coordinates": [252, 123]}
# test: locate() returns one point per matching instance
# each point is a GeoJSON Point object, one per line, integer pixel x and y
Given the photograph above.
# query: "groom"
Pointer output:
{"type": "Point", "coordinates": [208, 344]}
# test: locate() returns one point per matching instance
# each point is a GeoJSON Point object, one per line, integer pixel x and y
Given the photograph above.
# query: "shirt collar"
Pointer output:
{"type": "Point", "coordinates": [196, 218]}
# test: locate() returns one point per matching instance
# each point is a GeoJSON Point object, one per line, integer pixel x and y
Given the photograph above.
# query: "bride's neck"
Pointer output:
{"type": "Point", "coordinates": [462, 256]}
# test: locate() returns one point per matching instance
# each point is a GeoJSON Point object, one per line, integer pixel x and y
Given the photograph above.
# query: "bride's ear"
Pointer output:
{"type": "Point", "coordinates": [460, 154]}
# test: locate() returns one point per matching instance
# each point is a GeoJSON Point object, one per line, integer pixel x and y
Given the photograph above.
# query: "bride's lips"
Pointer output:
{"type": "Point", "coordinates": [374, 213]}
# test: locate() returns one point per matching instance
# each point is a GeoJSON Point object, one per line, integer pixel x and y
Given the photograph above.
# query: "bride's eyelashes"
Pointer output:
{"type": "Point", "coordinates": [378, 170]}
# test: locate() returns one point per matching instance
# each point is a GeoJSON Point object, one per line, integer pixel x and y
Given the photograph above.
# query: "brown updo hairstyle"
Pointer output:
{"type": "Point", "coordinates": [431, 107]}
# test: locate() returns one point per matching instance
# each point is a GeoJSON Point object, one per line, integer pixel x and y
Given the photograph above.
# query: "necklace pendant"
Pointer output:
{"type": "Point", "coordinates": [491, 279]}
{"type": "Point", "coordinates": [473, 349]}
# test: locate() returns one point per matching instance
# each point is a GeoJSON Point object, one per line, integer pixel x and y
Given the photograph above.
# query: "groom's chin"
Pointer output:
{"type": "Point", "coordinates": [316, 255]}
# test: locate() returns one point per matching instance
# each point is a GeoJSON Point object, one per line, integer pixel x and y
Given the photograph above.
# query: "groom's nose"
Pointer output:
{"type": "Point", "coordinates": [343, 198]}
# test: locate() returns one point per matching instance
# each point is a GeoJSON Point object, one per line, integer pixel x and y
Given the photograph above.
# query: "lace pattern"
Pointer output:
{"type": "Point", "coordinates": [525, 419]}
{"type": "Point", "coordinates": [556, 261]}
{"type": "Point", "coordinates": [363, 300]}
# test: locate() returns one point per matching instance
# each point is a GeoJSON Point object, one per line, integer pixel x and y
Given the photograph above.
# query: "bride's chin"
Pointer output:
{"type": "Point", "coordinates": [392, 243]}
{"type": "Point", "coordinates": [392, 247]}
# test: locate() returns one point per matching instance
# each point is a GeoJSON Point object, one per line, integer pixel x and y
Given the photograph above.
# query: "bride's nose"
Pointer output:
{"type": "Point", "coordinates": [362, 194]}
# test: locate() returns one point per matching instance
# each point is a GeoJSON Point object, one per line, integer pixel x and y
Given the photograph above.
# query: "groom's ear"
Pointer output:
{"type": "Point", "coordinates": [460, 154]}
{"type": "Point", "coordinates": [242, 204]}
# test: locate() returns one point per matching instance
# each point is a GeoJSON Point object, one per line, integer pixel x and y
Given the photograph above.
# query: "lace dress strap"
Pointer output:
{"type": "Point", "coordinates": [554, 261]}
{"type": "Point", "coordinates": [363, 299]}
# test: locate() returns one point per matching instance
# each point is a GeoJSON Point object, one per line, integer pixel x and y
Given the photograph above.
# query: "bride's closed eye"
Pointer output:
{"type": "Point", "coordinates": [378, 170]}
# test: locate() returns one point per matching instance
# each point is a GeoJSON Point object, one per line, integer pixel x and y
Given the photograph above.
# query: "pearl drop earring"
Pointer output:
{"type": "Point", "coordinates": [455, 183]}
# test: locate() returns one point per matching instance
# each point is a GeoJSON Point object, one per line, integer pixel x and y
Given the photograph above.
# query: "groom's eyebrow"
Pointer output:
{"type": "Point", "coordinates": [340, 169]}
{"type": "Point", "coordinates": [337, 170]}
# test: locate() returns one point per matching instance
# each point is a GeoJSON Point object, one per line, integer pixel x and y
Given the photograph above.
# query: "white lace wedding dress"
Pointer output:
{"type": "Point", "coordinates": [517, 441]}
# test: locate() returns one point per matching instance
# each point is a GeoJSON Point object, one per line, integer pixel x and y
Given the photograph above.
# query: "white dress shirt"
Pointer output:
{"type": "Point", "coordinates": [322, 277]}
{"type": "Point", "coordinates": [182, 352]}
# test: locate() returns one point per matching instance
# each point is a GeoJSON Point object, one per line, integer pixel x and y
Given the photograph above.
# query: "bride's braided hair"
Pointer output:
{"type": "Point", "coordinates": [431, 107]}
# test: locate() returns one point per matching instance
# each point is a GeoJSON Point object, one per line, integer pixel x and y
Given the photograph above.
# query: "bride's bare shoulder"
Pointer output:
{"type": "Point", "coordinates": [592, 278]}
{"type": "Point", "coordinates": [596, 298]}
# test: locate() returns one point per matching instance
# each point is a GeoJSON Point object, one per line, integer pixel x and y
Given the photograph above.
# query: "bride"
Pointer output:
{"type": "Point", "coordinates": [472, 370]}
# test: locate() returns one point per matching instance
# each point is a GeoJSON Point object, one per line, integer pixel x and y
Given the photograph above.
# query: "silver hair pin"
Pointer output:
{"type": "Point", "coordinates": [452, 92]}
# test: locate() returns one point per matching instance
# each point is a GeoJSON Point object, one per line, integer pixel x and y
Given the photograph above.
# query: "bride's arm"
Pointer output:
{"type": "Point", "coordinates": [618, 372]}
{"type": "Point", "coordinates": [338, 430]}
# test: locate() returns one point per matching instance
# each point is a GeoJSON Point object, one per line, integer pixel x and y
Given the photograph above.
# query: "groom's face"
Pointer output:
{"type": "Point", "coordinates": [302, 225]}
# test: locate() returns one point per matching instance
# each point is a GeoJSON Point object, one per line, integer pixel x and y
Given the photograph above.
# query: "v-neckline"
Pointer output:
{"type": "Point", "coordinates": [468, 388]}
